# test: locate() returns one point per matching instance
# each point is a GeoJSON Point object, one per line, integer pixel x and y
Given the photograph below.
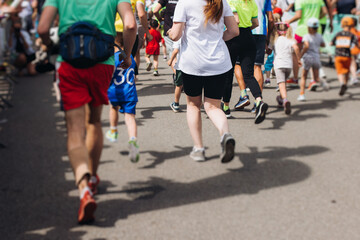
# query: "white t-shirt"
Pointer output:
{"type": "Point", "coordinates": [314, 45]}
{"type": "Point", "coordinates": [203, 51]}
{"type": "Point", "coordinates": [283, 52]}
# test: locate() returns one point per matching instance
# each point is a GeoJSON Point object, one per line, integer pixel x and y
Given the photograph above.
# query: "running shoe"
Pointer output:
{"type": "Point", "coordinates": [312, 86]}
{"type": "Point", "coordinates": [242, 103]}
{"type": "Point", "coordinates": [325, 85]}
{"type": "Point", "coordinates": [164, 57]}
{"type": "Point", "coordinates": [342, 90]}
{"type": "Point", "coordinates": [277, 89]}
{"type": "Point", "coordinates": [93, 183]}
{"type": "Point", "coordinates": [292, 82]}
{"type": "Point", "coordinates": [261, 112]}
{"type": "Point", "coordinates": [227, 112]}
{"type": "Point", "coordinates": [198, 154]}
{"type": "Point", "coordinates": [301, 98]}
{"type": "Point", "coordinates": [227, 148]}
{"type": "Point", "coordinates": [267, 83]}
{"type": "Point", "coordinates": [148, 66]}
{"type": "Point", "coordinates": [287, 107]}
{"type": "Point", "coordinates": [353, 81]}
{"type": "Point", "coordinates": [87, 208]}
{"type": "Point", "coordinates": [156, 73]}
{"type": "Point", "coordinates": [112, 136]}
{"type": "Point", "coordinates": [253, 110]}
{"type": "Point", "coordinates": [280, 101]}
{"type": "Point", "coordinates": [134, 153]}
{"type": "Point", "coordinates": [175, 107]}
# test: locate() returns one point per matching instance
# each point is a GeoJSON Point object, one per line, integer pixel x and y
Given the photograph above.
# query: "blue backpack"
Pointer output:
{"type": "Point", "coordinates": [83, 45]}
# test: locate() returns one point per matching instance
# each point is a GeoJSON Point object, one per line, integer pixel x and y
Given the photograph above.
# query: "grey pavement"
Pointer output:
{"type": "Point", "coordinates": [293, 177]}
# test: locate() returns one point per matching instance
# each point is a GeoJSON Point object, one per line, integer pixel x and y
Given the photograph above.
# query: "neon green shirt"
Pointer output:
{"type": "Point", "coordinates": [246, 10]}
{"type": "Point", "coordinates": [310, 8]}
{"type": "Point", "coordinates": [99, 13]}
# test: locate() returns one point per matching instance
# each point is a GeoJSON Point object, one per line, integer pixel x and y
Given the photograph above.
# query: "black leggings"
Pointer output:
{"type": "Point", "coordinates": [243, 48]}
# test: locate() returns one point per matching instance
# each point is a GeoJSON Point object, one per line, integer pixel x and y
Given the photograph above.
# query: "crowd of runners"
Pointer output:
{"type": "Point", "coordinates": [205, 43]}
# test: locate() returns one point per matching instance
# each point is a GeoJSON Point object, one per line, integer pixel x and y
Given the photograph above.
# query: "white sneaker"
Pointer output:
{"type": "Point", "coordinates": [325, 85]}
{"type": "Point", "coordinates": [301, 98]}
{"type": "Point", "coordinates": [134, 154]}
{"type": "Point", "coordinates": [354, 81]}
{"type": "Point", "coordinates": [198, 154]}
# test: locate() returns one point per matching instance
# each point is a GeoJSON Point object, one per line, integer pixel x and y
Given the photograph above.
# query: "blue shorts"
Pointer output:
{"type": "Point", "coordinates": [125, 107]}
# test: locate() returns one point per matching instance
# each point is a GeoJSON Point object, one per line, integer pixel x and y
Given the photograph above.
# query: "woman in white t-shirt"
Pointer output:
{"type": "Point", "coordinates": [204, 61]}
{"type": "Point", "coordinates": [283, 61]}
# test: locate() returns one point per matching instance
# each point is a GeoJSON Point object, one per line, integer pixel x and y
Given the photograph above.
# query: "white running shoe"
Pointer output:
{"type": "Point", "coordinates": [325, 85]}
{"type": "Point", "coordinates": [301, 98]}
{"type": "Point", "coordinates": [134, 154]}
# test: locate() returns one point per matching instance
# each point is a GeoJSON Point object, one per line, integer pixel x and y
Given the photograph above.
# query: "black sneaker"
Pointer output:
{"type": "Point", "coordinates": [228, 148]}
{"type": "Point", "coordinates": [261, 112]}
{"type": "Point", "coordinates": [227, 112]}
{"type": "Point", "coordinates": [342, 90]}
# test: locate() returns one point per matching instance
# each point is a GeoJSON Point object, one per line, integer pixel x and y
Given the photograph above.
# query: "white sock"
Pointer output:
{"type": "Point", "coordinates": [86, 189]}
{"type": "Point", "coordinates": [199, 149]}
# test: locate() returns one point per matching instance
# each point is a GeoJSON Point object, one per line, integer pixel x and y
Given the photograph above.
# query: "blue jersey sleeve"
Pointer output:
{"type": "Point", "coordinates": [267, 6]}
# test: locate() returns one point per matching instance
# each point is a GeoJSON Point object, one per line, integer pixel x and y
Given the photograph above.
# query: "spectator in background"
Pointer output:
{"type": "Point", "coordinates": [21, 47]}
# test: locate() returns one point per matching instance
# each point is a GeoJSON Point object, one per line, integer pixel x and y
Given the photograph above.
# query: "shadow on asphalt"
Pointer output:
{"type": "Point", "coordinates": [261, 170]}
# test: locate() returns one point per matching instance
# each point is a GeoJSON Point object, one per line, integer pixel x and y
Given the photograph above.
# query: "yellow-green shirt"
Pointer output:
{"type": "Point", "coordinates": [246, 10]}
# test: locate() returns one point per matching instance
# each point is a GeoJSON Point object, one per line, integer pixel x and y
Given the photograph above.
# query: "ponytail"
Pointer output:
{"type": "Point", "coordinates": [213, 10]}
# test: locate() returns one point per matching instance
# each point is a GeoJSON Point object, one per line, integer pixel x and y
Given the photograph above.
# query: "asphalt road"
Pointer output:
{"type": "Point", "coordinates": [293, 177]}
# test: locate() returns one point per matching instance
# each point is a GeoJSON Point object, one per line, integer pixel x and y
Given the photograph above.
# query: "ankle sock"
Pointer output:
{"type": "Point", "coordinates": [85, 189]}
{"type": "Point", "coordinates": [243, 93]}
{"type": "Point", "coordinates": [225, 107]}
{"type": "Point", "coordinates": [113, 129]}
{"type": "Point", "coordinates": [257, 102]}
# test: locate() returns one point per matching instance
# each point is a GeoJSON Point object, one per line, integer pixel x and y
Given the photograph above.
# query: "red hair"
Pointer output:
{"type": "Point", "coordinates": [213, 11]}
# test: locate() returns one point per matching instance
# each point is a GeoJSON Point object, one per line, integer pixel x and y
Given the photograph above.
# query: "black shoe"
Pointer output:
{"type": "Point", "coordinates": [261, 112]}
{"type": "Point", "coordinates": [342, 89]}
{"type": "Point", "coordinates": [227, 148]}
{"type": "Point", "coordinates": [227, 112]}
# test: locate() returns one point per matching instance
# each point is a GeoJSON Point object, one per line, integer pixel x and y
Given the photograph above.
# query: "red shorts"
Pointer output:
{"type": "Point", "coordinates": [298, 38]}
{"type": "Point", "coordinates": [81, 86]}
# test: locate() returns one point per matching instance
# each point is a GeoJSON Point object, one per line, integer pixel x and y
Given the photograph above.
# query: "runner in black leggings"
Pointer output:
{"type": "Point", "coordinates": [243, 48]}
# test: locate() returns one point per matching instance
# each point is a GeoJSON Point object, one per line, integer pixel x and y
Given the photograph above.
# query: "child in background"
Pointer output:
{"type": "Point", "coordinates": [311, 57]}
{"type": "Point", "coordinates": [269, 64]}
{"type": "Point", "coordinates": [344, 41]}
{"type": "Point", "coordinates": [283, 63]}
{"type": "Point", "coordinates": [173, 62]}
{"type": "Point", "coordinates": [123, 98]}
{"type": "Point", "coordinates": [153, 47]}
{"type": "Point", "coordinates": [355, 52]}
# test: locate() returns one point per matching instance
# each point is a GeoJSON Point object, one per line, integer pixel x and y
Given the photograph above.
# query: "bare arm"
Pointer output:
{"type": "Point", "coordinates": [236, 15]}
{"type": "Point", "coordinates": [255, 23]}
{"type": "Point", "coordinates": [156, 11]}
{"type": "Point", "coordinates": [297, 53]}
{"type": "Point", "coordinates": [47, 17]}
{"type": "Point", "coordinates": [129, 33]}
{"type": "Point", "coordinates": [232, 29]}
{"type": "Point", "coordinates": [140, 8]}
{"type": "Point", "coordinates": [270, 26]}
{"type": "Point", "coordinates": [305, 48]}
{"type": "Point", "coordinates": [176, 31]}
{"type": "Point", "coordinates": [173, 56]}
{"type": "Point", "coordinates": [289, 7]}
{"type": "Point", "coordinates": [296, 17]}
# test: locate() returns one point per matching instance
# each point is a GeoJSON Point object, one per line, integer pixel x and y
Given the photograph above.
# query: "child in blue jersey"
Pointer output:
{"type": "Point", "coordinates": [123, 98]}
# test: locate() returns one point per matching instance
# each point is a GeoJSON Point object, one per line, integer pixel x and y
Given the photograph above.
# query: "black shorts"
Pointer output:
{"type": "Point", "coordinates": [178, 80]}
{"type": "Point", "coordinates": [260, 49]}
{"type": "Point", "coordinates": [213, 85]}
{"type": "Point", "coordinates": [30, 58]}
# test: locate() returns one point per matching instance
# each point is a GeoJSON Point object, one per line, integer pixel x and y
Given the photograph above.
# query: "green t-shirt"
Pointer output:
{"type": "Point", "coordinates": [246, 10]}
{"type": "Point", "coordinates": [310, 8]}
{"type": "Point", "coordinates": [99, 13]}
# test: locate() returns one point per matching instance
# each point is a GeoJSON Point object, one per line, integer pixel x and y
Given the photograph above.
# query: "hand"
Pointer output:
{"type": "Point", "coordinates": [268, 50]}
{"type": "Point", "coordinates": [169, 62]}
{"type": "Point", "coordinates": [126, 63]}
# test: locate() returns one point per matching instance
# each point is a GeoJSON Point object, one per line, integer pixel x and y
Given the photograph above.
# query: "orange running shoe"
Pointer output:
{"type": "Point", "coordinates": [292, 82]}
{"type": "Point", "coordinates": [87, 208]}
{"type": "Point", "coordinates": [313, 85]}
